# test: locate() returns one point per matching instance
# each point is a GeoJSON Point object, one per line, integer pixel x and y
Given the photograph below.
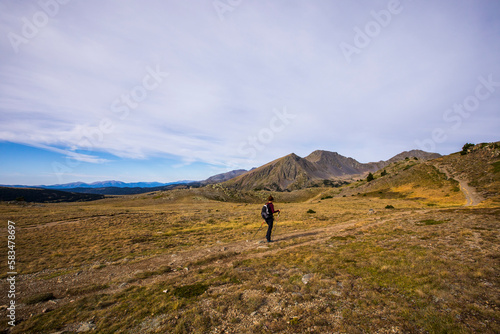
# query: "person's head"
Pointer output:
{"type": "Point", "coordinates": [270, 199]}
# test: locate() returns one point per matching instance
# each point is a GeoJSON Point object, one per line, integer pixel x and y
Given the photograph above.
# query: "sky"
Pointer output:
{"type": "Point", "coordinates": [164, 90]}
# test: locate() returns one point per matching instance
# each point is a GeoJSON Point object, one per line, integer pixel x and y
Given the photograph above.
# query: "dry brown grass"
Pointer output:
{"type": "Point", "coordinates": [179, 262]}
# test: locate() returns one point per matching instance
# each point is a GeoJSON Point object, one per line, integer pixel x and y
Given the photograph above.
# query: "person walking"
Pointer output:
{"type": "Point", "coordinates": [270, 218]}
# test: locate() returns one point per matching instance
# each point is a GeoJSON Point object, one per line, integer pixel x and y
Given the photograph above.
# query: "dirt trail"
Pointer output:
{"type": "Point", "coordinates": [472, 197]}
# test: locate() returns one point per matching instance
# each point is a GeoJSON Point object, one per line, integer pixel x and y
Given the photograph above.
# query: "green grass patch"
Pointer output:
{"type": "Point", "coordinates": [39, 298]}
{"type": "Point", "coordinates": [428, 222]}
{"type": "Point", "coordinates": [496, 167]}
{"type": "Point", "coordinates": [215, 257]}
{"type": "Point", "coordinates": [87, 289]}
{"type": "Point", "coordinates": [190, 291]}
{"type": "Point", "coordinates": [342, 238]}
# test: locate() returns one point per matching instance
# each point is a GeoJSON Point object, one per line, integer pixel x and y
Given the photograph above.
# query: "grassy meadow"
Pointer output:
{"type": "Point", "coordinates": [393, 258]}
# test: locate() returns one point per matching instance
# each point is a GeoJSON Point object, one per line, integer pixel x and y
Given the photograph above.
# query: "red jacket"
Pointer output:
{"type": "Point", "coordinates": [270, 205]}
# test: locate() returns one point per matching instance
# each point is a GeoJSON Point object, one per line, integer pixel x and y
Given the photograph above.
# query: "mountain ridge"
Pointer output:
{"type": "Point", "coordinates": [321, 167]}
{"type": "Point", "coordinates": [291, 172]}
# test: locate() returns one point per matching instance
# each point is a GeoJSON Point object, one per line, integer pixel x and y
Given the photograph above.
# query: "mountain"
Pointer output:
{"type": "Point", "coordinates": [319, 168]}
{"type": "Point", "coordinates": [224, 176]}
{"type": "Point", "coordinates": [422, 155]}
{"type": "Point", "coordinates": [337, 165]}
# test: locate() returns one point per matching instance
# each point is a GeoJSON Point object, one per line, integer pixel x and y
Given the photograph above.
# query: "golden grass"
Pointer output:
{"type": "Point", "coordinates": [180, 262]}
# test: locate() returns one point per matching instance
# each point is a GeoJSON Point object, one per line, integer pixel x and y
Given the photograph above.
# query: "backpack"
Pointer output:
{"type": "Point", "coordinates": [265, 212]}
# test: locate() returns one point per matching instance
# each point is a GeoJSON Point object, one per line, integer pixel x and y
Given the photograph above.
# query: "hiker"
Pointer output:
{"type": "Point", "coordinates": [270, 218]}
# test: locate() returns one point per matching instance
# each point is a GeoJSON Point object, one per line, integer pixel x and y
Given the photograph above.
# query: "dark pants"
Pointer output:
{"type": "Point", "coordinates": [269, 222]}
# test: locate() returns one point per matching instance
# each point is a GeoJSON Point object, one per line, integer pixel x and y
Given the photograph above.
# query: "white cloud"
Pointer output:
{"type": "Point", "coordinates": [226, 77]}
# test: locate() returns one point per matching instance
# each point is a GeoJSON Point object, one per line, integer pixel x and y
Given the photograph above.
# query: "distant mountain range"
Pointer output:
{"type": "Point", "coordinates": [320, 168]}
{"type": "Point", "coordinates": [102, 184]}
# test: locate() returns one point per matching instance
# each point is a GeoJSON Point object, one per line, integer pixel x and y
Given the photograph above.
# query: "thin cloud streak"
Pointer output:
{"type": "Point", "coordinates": [226, 77]}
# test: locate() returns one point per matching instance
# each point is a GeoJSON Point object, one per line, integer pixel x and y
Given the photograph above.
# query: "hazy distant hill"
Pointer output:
{"type": "Point", "coordinates": [44, 195]}
{"type": "Point", "coordinates": [319, 168]}
{"type": "Point", "coordinates": [224, 176]}
{"type": "Point", "coordinates": [111, 187]}
{"type": "Point", "coordinates": [108, 184]}
{"type": "Point", "coordinates": [133, 190]}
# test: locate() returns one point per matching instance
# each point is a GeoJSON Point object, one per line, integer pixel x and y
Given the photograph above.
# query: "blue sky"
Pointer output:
{"type": "Point", "coordinates": [174, 90]}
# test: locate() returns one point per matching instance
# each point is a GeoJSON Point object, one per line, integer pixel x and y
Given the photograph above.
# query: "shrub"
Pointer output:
{"type": "Point", "coordinates": [311, 211]}
{"type": "Point", "coordinates": [389, 207]}
{"type": "Point", "coordinates": [466, 148]}
{"type": "Point", "coordinates": [370, 177]}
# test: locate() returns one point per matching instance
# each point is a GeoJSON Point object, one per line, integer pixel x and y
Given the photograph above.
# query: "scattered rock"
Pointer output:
{"type": "Point", "coordinates": [86, 327]}
{"type": "Point", "coordinates": [306, 278]}
{"type": "Point", "coordinates": [336, 293]}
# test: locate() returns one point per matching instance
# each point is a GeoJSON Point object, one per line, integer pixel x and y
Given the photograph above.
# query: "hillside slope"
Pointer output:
{"type": "Point", "coordinates": [44, 195]}
{"type": "Point", "coordinates": [410, 179]}
{"type": "Point", "coordinates": [478, 168]}
{"type": "Point", "coordinates": [455, 179]}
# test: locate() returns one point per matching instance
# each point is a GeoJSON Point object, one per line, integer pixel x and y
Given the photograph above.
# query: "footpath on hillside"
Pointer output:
{"type": "Point", "coordinates": [472, 197]}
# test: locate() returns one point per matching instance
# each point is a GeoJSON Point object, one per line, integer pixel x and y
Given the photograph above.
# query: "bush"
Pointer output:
{"type": "Point", "coordinates": [311, 211]}
{"type": "Point", "coordinates": [370, 177]}
{"type": "Point", "coordinates": [466, 148]}
{"type": "Point", "coordinates": [389, 207]}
